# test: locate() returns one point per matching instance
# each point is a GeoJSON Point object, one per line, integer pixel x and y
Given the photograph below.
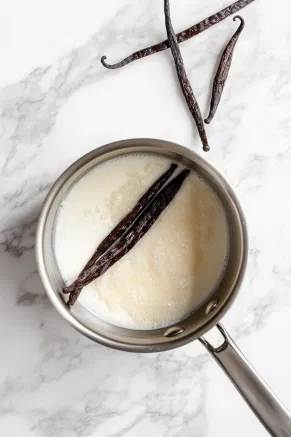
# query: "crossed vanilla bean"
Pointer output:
{"type": "Point", "coordinates": [183, 78]}
{"type": "Point", "coordinates": [182, 36]}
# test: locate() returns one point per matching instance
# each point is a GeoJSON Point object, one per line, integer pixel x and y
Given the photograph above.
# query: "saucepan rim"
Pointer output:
{"type": "Point", "coordinates": [167, 342]}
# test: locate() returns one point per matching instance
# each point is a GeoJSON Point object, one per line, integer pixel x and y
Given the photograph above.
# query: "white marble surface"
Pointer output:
{"type": "Point", "coordinates": [57, 103]}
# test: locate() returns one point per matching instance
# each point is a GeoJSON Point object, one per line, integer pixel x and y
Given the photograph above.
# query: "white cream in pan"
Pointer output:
{"type": "Point", "coordinates": [170, 271]}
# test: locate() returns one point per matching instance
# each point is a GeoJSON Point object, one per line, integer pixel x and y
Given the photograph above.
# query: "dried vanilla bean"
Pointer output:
{"type": "Point", "coordinates": [183, 78]}
{"type": "Point", "coordinates": [223, 70]}
{"type": "Point", "coordinates": [129, 239]}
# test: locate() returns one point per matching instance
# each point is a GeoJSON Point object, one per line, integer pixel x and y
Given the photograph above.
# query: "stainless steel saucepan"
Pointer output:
{"type": "Point", "coordinates": [262, 401]}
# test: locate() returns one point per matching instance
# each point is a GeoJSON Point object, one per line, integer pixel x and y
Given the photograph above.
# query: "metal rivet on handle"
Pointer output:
{"type": "Point", "coordinates": [211, 306]}
{"type": "Point", "coordinates": [173, 331]}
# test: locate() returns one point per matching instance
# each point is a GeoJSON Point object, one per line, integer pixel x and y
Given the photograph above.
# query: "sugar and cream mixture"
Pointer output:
{"type": "Point", "coordinates": [170, 271]}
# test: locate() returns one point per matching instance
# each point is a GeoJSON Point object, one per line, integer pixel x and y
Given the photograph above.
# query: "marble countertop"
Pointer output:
{"type": "Point", "coordinates": [56, 103]}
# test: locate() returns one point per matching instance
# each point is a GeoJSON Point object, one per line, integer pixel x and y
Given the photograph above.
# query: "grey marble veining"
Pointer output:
{"type": "Point", "coordinates": [56, 103]}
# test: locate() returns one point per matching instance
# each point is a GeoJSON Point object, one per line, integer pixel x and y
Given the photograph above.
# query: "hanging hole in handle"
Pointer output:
{"type": "Point", "coordinates": [215, 343]}
{"type": "Point", "coordinates": [211, 306]}
{"type": "Point", "coordinates": [173, 331]}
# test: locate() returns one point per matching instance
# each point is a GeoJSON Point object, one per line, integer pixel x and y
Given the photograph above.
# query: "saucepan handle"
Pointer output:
{"type": "Point", "coordinates": [264, 403]}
